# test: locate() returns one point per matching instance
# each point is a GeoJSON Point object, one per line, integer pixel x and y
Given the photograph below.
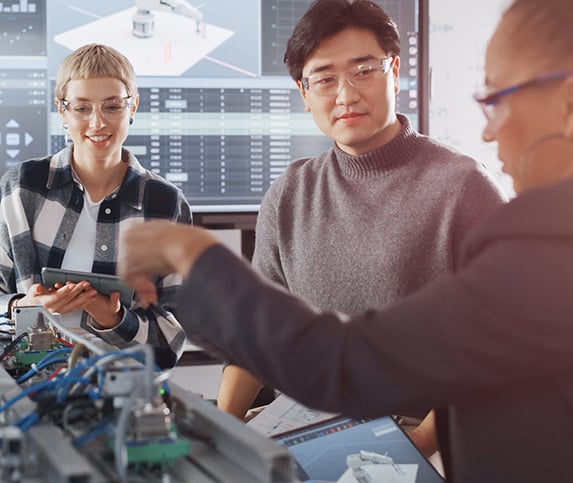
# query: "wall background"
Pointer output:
{"type": "Point", "coordinates": [459, 30]}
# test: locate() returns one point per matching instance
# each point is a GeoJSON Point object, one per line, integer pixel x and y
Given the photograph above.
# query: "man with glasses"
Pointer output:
{"type": "Point", "coordinates": [67, 210]}
{"type": "Point", "coordinates": [384, 210]}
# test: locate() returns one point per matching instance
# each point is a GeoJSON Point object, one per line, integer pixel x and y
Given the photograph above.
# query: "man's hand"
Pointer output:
{"type": "Point", "coordinates": [158, 247]}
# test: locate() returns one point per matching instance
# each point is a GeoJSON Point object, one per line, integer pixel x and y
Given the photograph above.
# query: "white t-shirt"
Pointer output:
{"type": "Point", "coordinates": [79, 255]}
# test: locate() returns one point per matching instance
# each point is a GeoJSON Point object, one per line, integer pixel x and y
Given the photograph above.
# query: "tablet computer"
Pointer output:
{"type": "Point", "coordinates": [104, 284]}
{"type": "Point", "coordinates": [321, 452]}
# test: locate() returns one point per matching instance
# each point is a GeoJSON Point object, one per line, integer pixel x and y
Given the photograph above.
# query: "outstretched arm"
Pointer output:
{"type": "Point", "coordinates": [364, 366]}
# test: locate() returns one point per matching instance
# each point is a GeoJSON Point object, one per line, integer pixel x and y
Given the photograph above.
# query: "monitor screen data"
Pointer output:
{"type": "Point", "coordinates": [218, 114]}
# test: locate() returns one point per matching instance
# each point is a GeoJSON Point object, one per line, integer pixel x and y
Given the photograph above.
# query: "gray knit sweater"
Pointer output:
{"type": "Point", "coordinates": [349, 233]}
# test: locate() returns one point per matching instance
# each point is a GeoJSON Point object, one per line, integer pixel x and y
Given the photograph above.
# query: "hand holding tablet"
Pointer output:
{"type": "Point", "coordinates": [104, 284]}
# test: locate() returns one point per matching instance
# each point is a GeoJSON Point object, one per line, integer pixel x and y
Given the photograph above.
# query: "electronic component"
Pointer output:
{"type": "Point", "coordinates": [101, 416]}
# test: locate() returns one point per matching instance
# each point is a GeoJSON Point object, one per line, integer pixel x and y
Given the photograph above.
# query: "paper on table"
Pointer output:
{"type": "Point", "coordinates": [285, 414]}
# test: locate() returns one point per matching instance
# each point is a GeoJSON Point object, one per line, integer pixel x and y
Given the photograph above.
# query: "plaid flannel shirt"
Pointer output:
{"type": "Point", "coordinates": [40, 203]}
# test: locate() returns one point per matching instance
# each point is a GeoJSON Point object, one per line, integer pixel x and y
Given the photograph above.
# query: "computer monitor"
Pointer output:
{"type": "Point", "coordinates": [218, 114]}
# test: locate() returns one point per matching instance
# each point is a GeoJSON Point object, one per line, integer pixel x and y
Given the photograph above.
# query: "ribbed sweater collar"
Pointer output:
{"type": "Point", "coordinates": [399, 151]}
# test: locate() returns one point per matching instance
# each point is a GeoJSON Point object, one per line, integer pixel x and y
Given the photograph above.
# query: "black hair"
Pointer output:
{"type": "Point", "coordinates": [325, 18]}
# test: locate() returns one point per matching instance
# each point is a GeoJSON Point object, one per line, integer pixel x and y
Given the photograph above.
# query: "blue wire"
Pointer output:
{"type": "Point", "coordinates": [27, 421]}
{"type": "Point", "coordinates": [98, 430]}
{"type": "Point", "coordinates": [63, 389]}
{"type": "Point", "coordinates": [56, 352]}
{"type": "Point", "coordinates": [35, 388]}
{"type": "Point", "coordinates": [39, 366]}
{"type": "Point", "coordinates": [64, 385]}
{"type": "Point", "coordinates": [61, 386]}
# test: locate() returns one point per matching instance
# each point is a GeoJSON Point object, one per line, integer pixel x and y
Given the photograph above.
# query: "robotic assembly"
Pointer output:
{"type": "Point", "coordinates": [74, 412]}
{"type": "Point", "coordinates": [144, 21]}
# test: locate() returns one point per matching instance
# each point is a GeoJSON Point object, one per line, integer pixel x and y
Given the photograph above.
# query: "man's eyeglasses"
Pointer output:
{"type": "Point", "coordinates": [489, 101]}
{"type": "Point", "coordinates": [361, 76]}
{"type": "Point", "coordinates": [110, 109]}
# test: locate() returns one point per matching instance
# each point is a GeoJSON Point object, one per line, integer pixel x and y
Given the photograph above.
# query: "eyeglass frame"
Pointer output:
{"type": "Point", "coordinates": [305, 80]}
{"type": "Point", "coordinates": [129, 103]}
{"type": "Point", "coordinates": [489, 101]}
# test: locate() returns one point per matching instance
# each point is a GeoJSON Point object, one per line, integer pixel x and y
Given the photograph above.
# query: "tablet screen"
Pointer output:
{"type": "Point", "coordinates": [321, 452]}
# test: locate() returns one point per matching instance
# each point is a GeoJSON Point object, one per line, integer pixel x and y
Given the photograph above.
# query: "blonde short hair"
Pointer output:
{"type": "Point", "coordinates": [92, 61]}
